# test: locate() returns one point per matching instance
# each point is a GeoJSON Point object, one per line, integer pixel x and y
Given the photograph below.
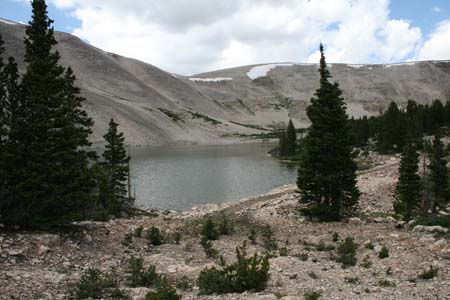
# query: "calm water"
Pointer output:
{"type": "Point", "coordinates": [181, 177]}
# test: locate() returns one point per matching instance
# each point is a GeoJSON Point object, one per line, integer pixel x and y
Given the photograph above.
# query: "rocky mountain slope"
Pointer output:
{"type": "Point", "coordinates": [155, 107]}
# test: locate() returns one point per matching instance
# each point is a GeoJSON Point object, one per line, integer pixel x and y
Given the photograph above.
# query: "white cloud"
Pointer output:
{"type": "Point", "coordinates": [437, 46]}
{"type": "Point", "coordinates": [191, 36]}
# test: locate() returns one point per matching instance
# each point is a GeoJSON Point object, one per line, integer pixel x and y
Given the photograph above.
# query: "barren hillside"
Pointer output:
{"type": "Point", "coordinates": [155, 107]}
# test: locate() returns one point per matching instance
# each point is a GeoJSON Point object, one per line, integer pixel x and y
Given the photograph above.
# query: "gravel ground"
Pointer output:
{"type": "Point", "coordinates": [37, 265]}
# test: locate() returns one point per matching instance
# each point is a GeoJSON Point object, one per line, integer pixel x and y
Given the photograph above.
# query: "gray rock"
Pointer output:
{"type": "Point", "coordinates": [379, 220]}
{"type": "Point", "coordinates": [354, 221]}
{"type": "Point", "coordinates": [430, 229]}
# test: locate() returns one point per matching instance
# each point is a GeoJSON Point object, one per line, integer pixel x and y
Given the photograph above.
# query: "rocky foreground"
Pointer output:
{"type": "Point", "coordinates": [46, 265]}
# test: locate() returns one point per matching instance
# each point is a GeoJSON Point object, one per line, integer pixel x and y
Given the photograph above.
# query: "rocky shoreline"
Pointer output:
{"type": "Point", "coordinates": [37, 265]}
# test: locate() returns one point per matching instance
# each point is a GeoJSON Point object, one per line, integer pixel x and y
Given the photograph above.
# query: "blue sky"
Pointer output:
{"type": "Point", "coordinates": [20, 11]}
{"type": "Point", "coordinates": [189, 36]}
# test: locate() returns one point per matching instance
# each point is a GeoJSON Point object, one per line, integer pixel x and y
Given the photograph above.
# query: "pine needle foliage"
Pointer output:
{"type": "Point", "coordinates": [327, 173]}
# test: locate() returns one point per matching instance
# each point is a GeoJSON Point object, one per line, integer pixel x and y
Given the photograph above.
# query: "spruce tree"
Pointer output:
{"type": "Point", "coordinates": [116, 164]}
{"type": "Point", "coordinates": [3, 128]}
{"type": "Point", "coordinates": [327, 173]}
{"type": "Point", "coordinates": [393, 131]}
{"type": "Point", "coordinates": [408, 186]}
{"type": "Point", "coordinates": [51, 181]}
{"type": "Point", "coordinates": [291, 139]}
{"type": "Point", "coordinates": [439, 176]}
{"type": "Point", "coordinates": [282, 144]}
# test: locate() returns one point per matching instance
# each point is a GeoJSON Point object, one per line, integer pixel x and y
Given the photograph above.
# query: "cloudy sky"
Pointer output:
{"type": "Point", "coordinates": [193, 36]}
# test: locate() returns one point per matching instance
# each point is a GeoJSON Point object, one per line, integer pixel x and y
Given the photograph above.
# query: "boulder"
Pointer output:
{"type": "Point", "coordinates": [354, 221]}
{"type": "Point", "coordinates": [430, 229]}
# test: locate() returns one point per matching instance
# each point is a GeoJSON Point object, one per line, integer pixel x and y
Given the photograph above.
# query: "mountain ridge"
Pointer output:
{"type": "Point", "coordinates": [155, 107]}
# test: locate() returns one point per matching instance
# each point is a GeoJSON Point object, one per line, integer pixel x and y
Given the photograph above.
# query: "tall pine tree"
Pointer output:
{"type": "Point", "coordinates": [51, 182]}
{"type": "Point", "coordinates": [439, 177]}
{"type": "Point", "coordinates": [408, 186]}
{"type": "Point", "coordinates": [3, 128]}
{"type": "Point", "coordinates": [116, 164]}
{"type": "Point", "coordinates": [327, 173]}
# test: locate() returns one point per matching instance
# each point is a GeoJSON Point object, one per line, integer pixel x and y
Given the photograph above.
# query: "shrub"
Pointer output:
{"type": "Point", "coordinates": [208, 248]}
{"type": "Point", "coordinates": [429, 274]}
{"type": "Point", "coordinates": [225, 225]}
{"type": "Point", "coordinates": [127, 240]}
{"type": "Point", "coordinates": [386, 283]}
{"type": "Point", "coordinates": [366, 263]}
{"type": "Point", "coordinates": [303, 256]}
{"type": "Point", "coordinates": [209, 230]}
{"type": "Point", "coordinates": [268, 238]}
{"type": "Point", "coordinates": [347, 253]}
{"type": "Point", "coordinates": [164, 291]}
{"type": "Point", "coordinates": [369, 246]}
{"type": "Point", "coordinates": [243, 275]}
{"type": "Point", "coordinates": [352, 280]}
{"type": "Point", "coordinates": [384, 253]}
{"type": "Point", "coordinates": [96, 284]}
{"type": "Point", "coordinates": [336, 237]}
{"type": "Point", "coordinates": [312, 295]}
{"type": "Point", "coordinates": [154, 236]}
{"type": "Point", "coordinates": [138, 231]}
{"type": "Point", "coordinates": [183, 283]}
{"type": "Point", "coordinates": [177, 237]}
{"type": "Point", "coordinates": [324, 247]}
{"type": "Point", "coordinates": [284, 251]}
{"type": "Point", "coordinates": [389, 271]}
{"type": "Point", "coordinates": [252, 235]}
{"type": "Point", "coordinates": [440, 220]}
{"type": "Point", "coordinates": [138, 276]}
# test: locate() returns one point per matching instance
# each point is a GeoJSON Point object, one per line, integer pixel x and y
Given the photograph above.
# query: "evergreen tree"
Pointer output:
{"type": "Point", "coordinates": [392, 136]}
{"type": "Point", "coordinates": [282, 143]}
{"type": "Point", "coordinates": [439, 176]}
{"type": "Point", "coordinates": [447, 115]}
{"type": "Point", "coordinates": [3, 128]}
{"type": "Point", "coordinates": [437, 115]}
{"type": "Point", "coordinates": [50, 182]}
{"type": "Point", "coordinates": [116, 163]}
{"type": "Point", "coordinates": [408, 186]}
{"type": "Point", "coordinates": [327, 173]}
{"type": "Point", "coordinates": [291, 139]}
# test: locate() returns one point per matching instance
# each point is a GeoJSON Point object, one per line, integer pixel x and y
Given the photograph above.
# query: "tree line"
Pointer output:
{"type": "Point", "coordinates": [392, 129]}
{"type": "Point", "coordinates": [48, 174]}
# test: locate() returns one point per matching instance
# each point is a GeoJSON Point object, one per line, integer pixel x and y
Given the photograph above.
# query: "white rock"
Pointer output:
{"type": "Point", "coordinates": [391, 219]}
{"type": "Point", "coordinates": [292, 298]}
{"type": "Point", "coordinates": [431, 229]}
{"type": "Point", "coordinates": [379, 220]}
{"type": "Point", "coordinates": [440, 244]}
{"type": "Point", "coordinates": [43, 250]}
{"type": "Point", "coordinates": [354, 221]}
{"type": "Point", "coordinates": [378, 248]}
{"type": "Point", "coordinates": [13, 252]}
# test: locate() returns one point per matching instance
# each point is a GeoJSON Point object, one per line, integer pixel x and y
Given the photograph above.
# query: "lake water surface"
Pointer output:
{"type": "Point", "coordinates": [180, 177]}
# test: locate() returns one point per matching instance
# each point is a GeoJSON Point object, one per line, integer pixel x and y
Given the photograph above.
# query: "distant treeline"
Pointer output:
{"type": "Point", "coordinates": [392, 129]}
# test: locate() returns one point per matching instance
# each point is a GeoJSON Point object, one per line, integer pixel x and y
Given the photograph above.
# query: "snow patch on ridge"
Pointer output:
{"type": "Point", "coordinates": [412, 63]}
{"type": "Point", "coordinates": [261, 71]}
{"type": "Point", "coordinates": [356, 66]}
{"type": "Point", "coordinates": [218, 79]}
